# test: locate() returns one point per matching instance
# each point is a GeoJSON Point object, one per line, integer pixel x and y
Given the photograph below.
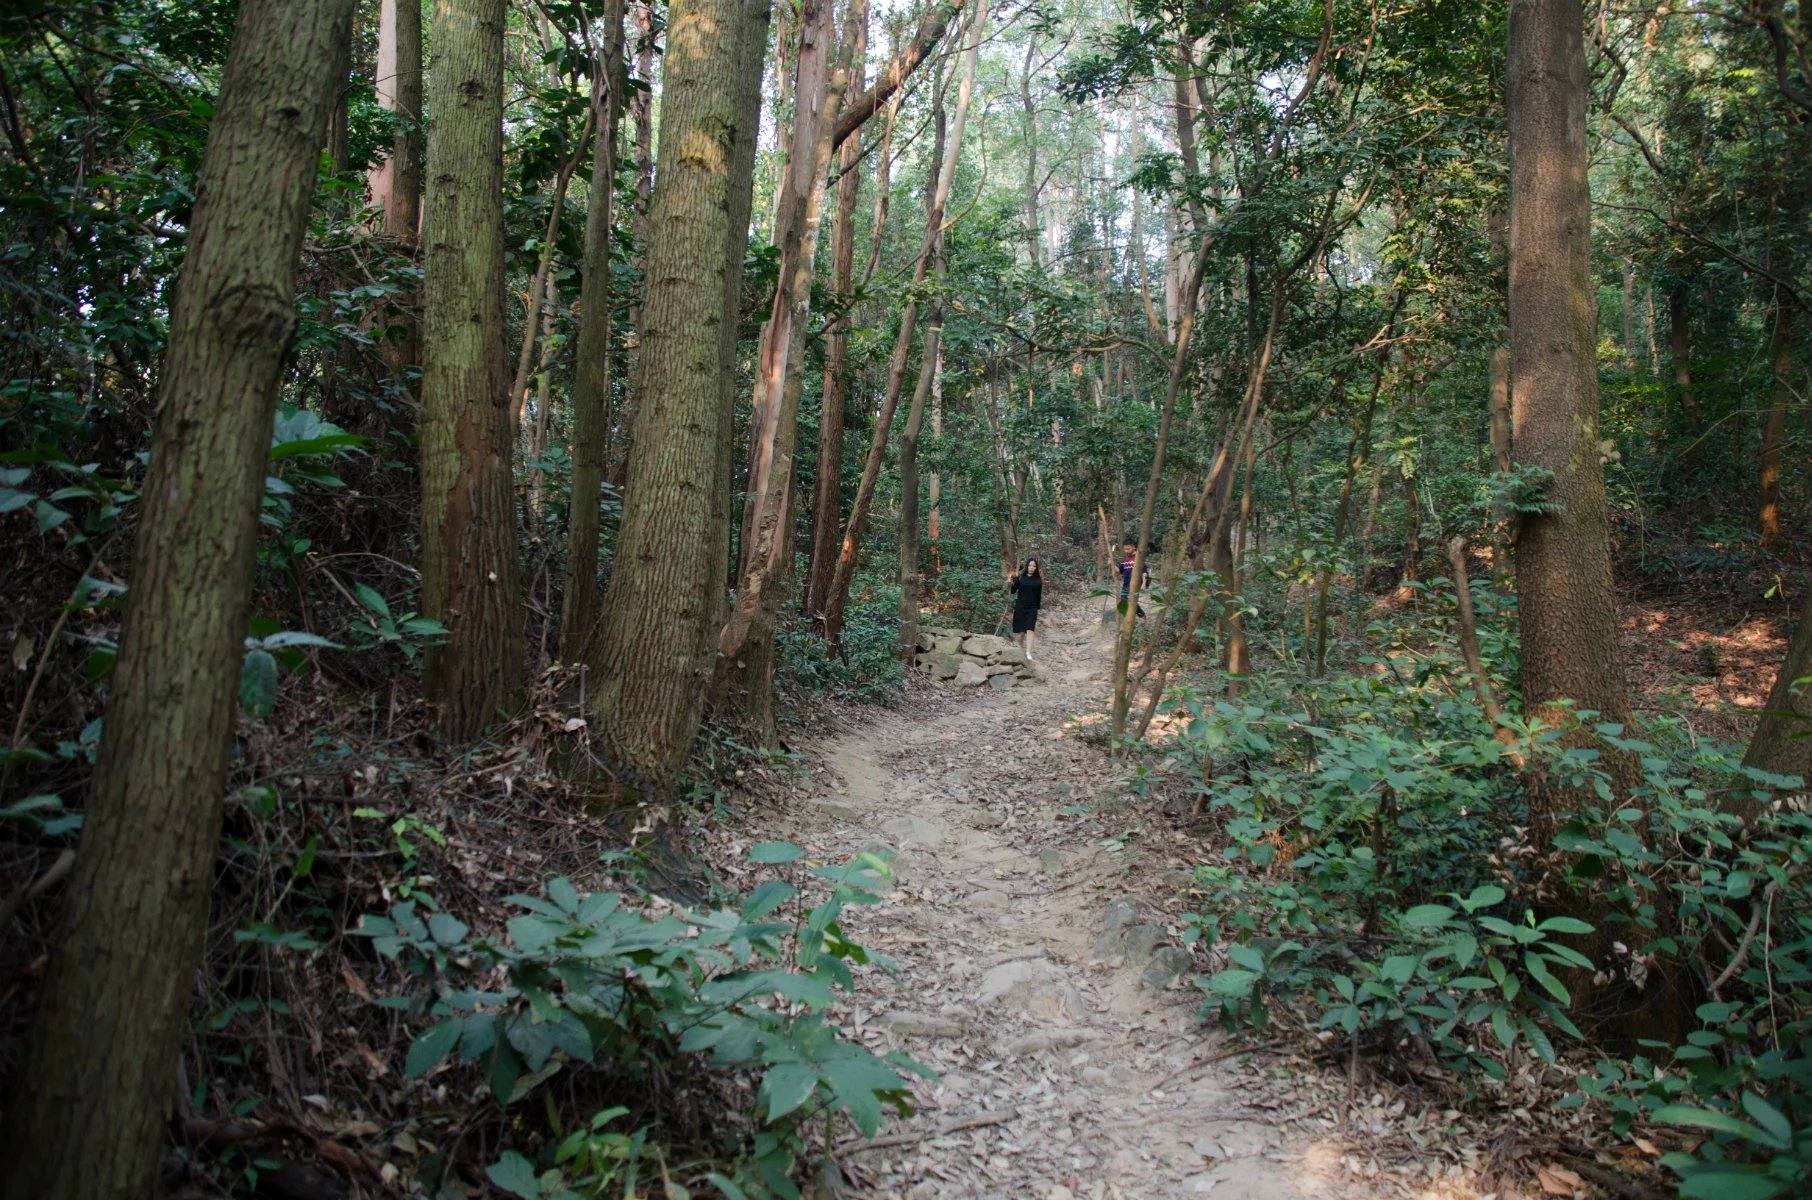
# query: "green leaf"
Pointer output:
{"type": "Point", "coordinates": [1564, 925]}
{"type": "Point", "coordinates": [258, 684]}
{"type": "Point", "coordinates": [1483, 896]}
{"type": "Point", "coordinates": [774, 852]}
{"type": "Point", "coordinates": [1768, 1117]}
{"type": "Point", "coordinates": [515, 1175]}
{"type": "Point", "coordinates": [426, 1052]}
{"type": "Point", "coordinates": [1733, 1183]}
{"type": "Point", "coordinates": [370, 598]}
{"type": "Point", "coordinates": [787, 1086]}
{"type": "Point", "coordinates": [1719, 1122]}
{"type": "Point", "coordinates": [1538, 970]}
{"type": "Point", "coordinates": [1234, 982]}
{"type": "Point", "coordinates": [1427, 916]}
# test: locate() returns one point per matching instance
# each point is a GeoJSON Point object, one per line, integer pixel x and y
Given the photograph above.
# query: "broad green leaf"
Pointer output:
{"type": "Point", "coordinates": [515, 1175]}
{"type": "Point", "coordinates": [258, 684]}
{"type": "Point", "coordinates": [774, 852]}
{"type": "Point", "coordinates": [433, 1045]}
{"type": "Point", "coordinates": [787, 1086]}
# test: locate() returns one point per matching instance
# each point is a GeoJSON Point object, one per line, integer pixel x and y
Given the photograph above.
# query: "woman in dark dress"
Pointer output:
{"type": "Point", "coordinates": [1028, 593]}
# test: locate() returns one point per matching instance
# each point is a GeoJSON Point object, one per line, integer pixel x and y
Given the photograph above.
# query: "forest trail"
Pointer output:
{"type": "Point", "coordinates": [1027, 955]}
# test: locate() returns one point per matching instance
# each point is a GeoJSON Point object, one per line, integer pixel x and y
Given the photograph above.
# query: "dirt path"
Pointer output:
{"type": "Point", "coordinates": [1032, 973]}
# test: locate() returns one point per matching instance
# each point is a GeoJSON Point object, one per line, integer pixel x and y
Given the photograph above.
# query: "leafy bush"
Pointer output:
{"type": "Point", "coordinates": [589, 980]}
{"type": "Point", "coordinates": [1376, 881]}
{"type": "Point", "coordinates": [868, 669]}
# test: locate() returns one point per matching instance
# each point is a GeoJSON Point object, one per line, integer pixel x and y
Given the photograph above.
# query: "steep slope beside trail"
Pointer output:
{"type": "Point", "coordinates": [1031, 971]}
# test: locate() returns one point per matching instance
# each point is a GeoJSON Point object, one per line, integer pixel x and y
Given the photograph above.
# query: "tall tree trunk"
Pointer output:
{"type": "Point", "coordinates": [395, 183]}
{"type": "Point", "coordinates": [1566, 609]}
{"type": "Point", "coordinates": [1499, 402]}
{"type": "Point", "coordinates": [746, 643]}
{"type": "Point", "coordinates": [1629, 315]}
{"type": "Point", "coordinates": [1774, 425]}
{"type": "Point", "coordinates": [827, 495]}
{"type": "Point", "coordinates": [541, 292]}
{"type": "Point", "coordinates": [838, 596]}
{"type": "Point", "coordinates": [469, 579]}
{"type": "Point", "coordinates": [98, 1073]}
{"type": "Point", "coordinates": [653, 654]}
{"type": "Point", "coordinates": [1679, 347]}
{"type": "Point", "coordinates": [592, 377]}
{"type": "Point", "coordinates": [641, 107]}
{"type": "Point", "coordinates": [929, 352]}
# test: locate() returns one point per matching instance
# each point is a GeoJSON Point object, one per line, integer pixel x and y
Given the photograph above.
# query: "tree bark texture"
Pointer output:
{"type": "Point", "coordinates": [827, 495]}
{"type": "Point", "coordinates": [98, 1072]}
{"type": "Point", "coordinates": [469, 579]}
{"type": "Point", "coordinates": [1774, 424]}
{"type": "Point", "coordinates": [838, 597]}
{"type": "Point", "coordinates": [1566, 608]}
{"type": "Point", "coordinates": [747, 640]}
{"type": "Point", "coordinates": [651, 659]}
{"type": "Point", "coordinates": [1679, 349]}
{"type": "Point", "coordinates": [592, 376]}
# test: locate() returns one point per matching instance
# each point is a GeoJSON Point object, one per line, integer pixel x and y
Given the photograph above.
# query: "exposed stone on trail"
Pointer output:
{"type": "Point", "coordinates": [972, 659]}
{"type": "Point", "coordinates": [1033, 985]}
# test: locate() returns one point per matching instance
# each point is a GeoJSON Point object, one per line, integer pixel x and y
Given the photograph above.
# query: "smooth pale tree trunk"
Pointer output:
{"type": "Point", "coordinates": [652, 658]}
{"type": "Point", "coordinates": [1774, 424]}
{"type": "Point", "coordinates": [909, 472]}
{"type": "Point", "coordinates": [1566, 609]}
{"type": "Point", "coordinates": [395, 183]}
{"type": "Point", "coordinates": [592, 376]}
{"type": "Point", "coordinates": [99, 1067]}
{"type": "Point", "coordinates": [1783, 738]}
{"type": "Point", "coordinates": [827, 494]}
{"type": "Point", "coordinates": [469, 581]}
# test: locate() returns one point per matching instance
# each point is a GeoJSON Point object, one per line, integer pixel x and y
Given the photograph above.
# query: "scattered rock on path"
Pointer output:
{"type": "Point", "coordinates": [1036, 986]}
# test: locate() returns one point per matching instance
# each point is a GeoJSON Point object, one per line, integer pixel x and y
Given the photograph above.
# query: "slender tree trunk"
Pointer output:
{"type": "Point", "coordinates": [746, 642]}
{"type": "Point", "coordinates": [1565, 605]}
{"type": "Point", "coordinates": [1774, 425]}
{"type": "Point", "coordinates": [641, 107]}
{"type": "Point", "coordinates": [827, 495]}
{"type": "Point", "coordinates": [540, 293]}
{"type": "Point", "coordinates": [98, 1073]}
{"type": "Point", "coordinates": [1679, 345]}
{"type": "Point", "coordinates": [1629, 315]}
{"type": "Point", "coordinates": [469, 579]}
{"type": "Point", "coordinates": [838, 596]}
{"type": "Point", "coordinates": [653, 653]}
{"type": "Point", "coordinates": [395, 183]}
{"type": "Point", "coordinates": [928, 353]}
{"type": "Point", "coordinates": [543, 382]}
{"type": "Point", "coordinates": [592, 377]}
{"type": "Point", "coordinates": [1500, 449]}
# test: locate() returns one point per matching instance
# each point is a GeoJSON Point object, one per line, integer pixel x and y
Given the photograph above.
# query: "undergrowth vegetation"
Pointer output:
{"type": "Point", "coordinates": [1379, 890]}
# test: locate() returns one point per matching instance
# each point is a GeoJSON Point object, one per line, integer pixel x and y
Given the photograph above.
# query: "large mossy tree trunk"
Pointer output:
{"type": "Point", "coordinates": [592, 376]}
{"type": "Point", "coordinates": [652, 658]}
{"type": "Point", "coordinates": [1566, 609]}
{"type": "Point", "coordinates": [469, 581]}
{"type": "Point", "coordinates": [87, 1119]}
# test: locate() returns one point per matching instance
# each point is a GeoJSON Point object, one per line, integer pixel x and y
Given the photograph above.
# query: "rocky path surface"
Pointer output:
{"type": "Point", "coordinates": [1035, 976]}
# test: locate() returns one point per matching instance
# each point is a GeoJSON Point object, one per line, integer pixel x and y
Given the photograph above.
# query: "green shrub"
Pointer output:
{"type": "Point", "coordinates": [587, 980]}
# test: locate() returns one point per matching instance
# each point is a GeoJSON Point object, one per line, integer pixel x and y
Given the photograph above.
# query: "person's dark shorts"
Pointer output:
{"type": "Point", "coordinates": [1024, 622]}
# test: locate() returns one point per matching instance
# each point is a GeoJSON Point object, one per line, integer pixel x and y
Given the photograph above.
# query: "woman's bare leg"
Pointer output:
{"type": "Point", "coordinates": [1026, 642]}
